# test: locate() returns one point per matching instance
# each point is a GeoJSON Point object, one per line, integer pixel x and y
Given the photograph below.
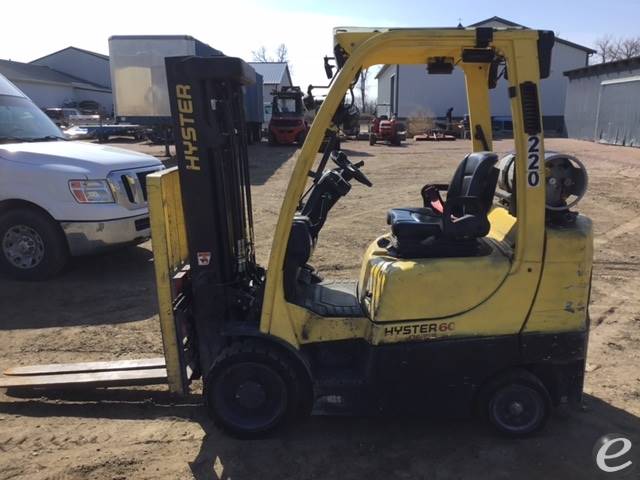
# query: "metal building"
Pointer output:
{"type": "Point", "coordinates": [603, 103]}
{"type": "Point", "coordinates": [274, 76]}
{"type": "Point", "coordinates": [52, 88]}
{"type": "Point", "coordinates": [408, 91]}
{"type": "Point", "coordinates": [90, 66]}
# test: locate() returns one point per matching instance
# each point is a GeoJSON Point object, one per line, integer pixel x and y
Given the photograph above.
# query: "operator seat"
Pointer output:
{"type": "Point", "coordinates": [299, 249]}
{"type": "Point", "coordinates": [451, 227]}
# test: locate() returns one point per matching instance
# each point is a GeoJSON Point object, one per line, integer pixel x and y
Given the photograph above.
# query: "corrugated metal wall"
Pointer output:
{"type": "Point", "coordinates": [605, 107]}
{"type": "Point", "coordinates": [618, 118]}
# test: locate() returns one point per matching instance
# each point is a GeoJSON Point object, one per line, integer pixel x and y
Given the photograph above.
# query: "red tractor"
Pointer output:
{"type": "Point", "coordinates": [385, 130]}
{"type": "Point", "coordinates": [287, 124]}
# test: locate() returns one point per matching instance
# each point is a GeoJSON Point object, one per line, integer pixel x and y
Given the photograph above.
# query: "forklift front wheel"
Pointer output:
{"type": "Point", "coordinates": [517, 404]}
{"type": "Point", "coordinates": [250, 390]}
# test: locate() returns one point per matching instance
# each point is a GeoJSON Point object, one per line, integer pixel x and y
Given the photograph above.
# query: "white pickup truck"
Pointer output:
{"type": "Point", "coordinates": [60, 198]}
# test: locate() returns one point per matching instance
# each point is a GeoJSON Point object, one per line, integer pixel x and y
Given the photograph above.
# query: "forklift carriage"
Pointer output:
{"type": "Point", "coordinates": [476, 301]}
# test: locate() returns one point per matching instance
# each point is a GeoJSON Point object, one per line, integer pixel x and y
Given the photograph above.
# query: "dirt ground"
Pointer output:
{"type": "Point", "coordinates": [104, 308]}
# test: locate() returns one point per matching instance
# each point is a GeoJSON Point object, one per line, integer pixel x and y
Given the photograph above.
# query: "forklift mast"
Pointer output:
{"type": "Point", "coordinates": [225, 283]}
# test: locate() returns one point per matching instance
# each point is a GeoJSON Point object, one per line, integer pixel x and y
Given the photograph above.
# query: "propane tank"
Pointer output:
{"type": "Point", "coordinates": [565, 175]}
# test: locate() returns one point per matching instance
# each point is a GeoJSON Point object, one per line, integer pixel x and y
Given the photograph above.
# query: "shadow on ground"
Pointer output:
{"type": "Point", "coordinates": [356, 448]}
{"type": "Point", "coordinates": [418, 448]}
{"type": "Point", "coordinates": [356, 153]}
{"type": "Point", "coordinates": [264, 160]}
{"type": "Point", "coordinates": [109, 288]}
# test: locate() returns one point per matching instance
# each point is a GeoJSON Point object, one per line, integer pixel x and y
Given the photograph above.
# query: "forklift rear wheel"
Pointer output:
{"type": "Point", "coordinates": [251, 390]}
{"type": "Point", "coordinates": [517, 404]}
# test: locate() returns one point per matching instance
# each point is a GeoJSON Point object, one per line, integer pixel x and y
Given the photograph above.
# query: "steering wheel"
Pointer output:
{"type": "Point", "coordinates": [341, 160]}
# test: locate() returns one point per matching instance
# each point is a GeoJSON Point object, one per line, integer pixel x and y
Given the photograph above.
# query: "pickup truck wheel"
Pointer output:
{"type": "Point", "coordinates": [32, 246]}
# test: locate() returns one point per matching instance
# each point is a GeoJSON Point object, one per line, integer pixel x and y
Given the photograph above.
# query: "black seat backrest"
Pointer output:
{"type": "Point", "coordinates": [299, 250]}
{"type": "Point", "coordinates": [476, 176]}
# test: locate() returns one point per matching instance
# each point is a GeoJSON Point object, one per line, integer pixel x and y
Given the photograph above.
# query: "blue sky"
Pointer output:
{"type": "Point", "coordinates": [578, 21]}
{"type": "Point", "coordinates": [305, 26]}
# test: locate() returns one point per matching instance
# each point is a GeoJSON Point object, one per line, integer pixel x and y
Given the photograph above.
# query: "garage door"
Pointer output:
{"type": "Point", "coordinates": [618, 118]}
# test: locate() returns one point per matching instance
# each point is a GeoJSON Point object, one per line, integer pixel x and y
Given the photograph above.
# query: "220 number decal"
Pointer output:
{"type": "Point", "coordinates": [533, 161]}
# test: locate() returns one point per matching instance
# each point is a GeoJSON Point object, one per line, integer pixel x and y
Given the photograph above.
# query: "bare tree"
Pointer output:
{"type": "Point", "coordinates": [260, 55]}
{"type": "Point", "coordinates": [364, 76]}
{"type": "Point", "coordinates": [370, 107]}
{"type": "Point", "coordinates": [605, 48]}
{"type": "Point", "coordinates": [610, 49]}
{"type": "Point", "coordinates": [282, 54]}
{"type": "Point", "coordinates": [627, 48]}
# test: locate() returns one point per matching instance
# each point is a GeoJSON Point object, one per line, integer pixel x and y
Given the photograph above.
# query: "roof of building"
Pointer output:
{"type": "Point", "coordinates": [16, 71]}
{"type": "Point", "coordinates": [88, 52]}
{"type": "Point", "coordinates": [608, 67]}
{"type": "Point", "coordinates": [272, 72]}
{"type": "Point", "coordinates": [509, 23]}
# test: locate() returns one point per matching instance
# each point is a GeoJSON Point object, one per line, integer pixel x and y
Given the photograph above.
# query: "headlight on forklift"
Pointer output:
{"type": "Point", "coordinates": [91, 191]}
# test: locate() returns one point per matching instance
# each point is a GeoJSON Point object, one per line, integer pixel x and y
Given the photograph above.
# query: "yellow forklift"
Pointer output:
{"type": "Point", "coordinates": [474, 302]}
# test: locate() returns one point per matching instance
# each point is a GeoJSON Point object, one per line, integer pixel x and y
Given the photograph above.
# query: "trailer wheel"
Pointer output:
{"type": "Point", "coordinates": [251, 390]}
{"type": "Point", "coordinates": [516, 404]}
{"type": "Point", "coordinates": [32, 245]}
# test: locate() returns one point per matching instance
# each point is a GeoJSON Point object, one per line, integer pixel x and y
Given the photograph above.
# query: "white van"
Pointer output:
{"type": "Point", "coordinates": [60, 198]}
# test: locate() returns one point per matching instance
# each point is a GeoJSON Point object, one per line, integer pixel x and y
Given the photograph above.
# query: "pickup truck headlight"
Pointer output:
{"type": "Point", "coordinates": [91, 191]}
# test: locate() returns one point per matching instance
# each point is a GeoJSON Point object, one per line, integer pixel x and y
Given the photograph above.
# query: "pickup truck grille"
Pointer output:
{"type": "Point", "coordinates": [142, 178]}
{"type": "Point", "coordinates": [130, 186]}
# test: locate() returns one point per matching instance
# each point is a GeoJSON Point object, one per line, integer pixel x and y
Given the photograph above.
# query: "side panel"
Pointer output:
{"type": "Point", "coordinates": [562, 300]}
{"type": "Point", "coordinates": [425, 288]}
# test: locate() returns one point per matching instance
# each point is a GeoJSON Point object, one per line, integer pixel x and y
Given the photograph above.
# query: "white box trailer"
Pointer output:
{"type": "Point", "coordinates": [138, 75]}
{"type": "Point", "coordinates": [139, 80]}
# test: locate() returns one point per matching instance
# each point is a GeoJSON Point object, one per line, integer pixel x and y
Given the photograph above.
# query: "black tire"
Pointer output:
{"type": "Point", "coordinates": [372, 139]}
{"type": "Point", "coordinates": [300, 138]}
{"type": "Point", "coordinates": [272, 139]}
{"type": "Point", "coordinates": [516, 404]}
{"type": "Point", "coordinates": [44, 252]}
{"type": "Point", "coordinates": [252, 390]}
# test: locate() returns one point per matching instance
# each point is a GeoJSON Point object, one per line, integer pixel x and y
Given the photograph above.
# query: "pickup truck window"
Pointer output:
{"type": "Point", "coordinates": [21, 120]}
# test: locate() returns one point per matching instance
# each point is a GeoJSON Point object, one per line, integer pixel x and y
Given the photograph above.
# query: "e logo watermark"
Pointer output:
{"type": "Point", "coordinates": [612, 454]}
